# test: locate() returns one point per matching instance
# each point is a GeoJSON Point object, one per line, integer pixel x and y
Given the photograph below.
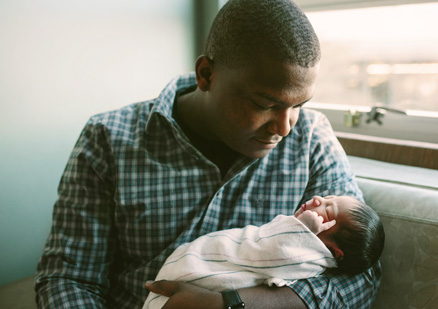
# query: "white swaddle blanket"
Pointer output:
{"type": "Point", "coordinates": [278, 252]}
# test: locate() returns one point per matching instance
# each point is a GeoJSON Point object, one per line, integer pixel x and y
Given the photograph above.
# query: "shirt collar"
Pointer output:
{"type": "Point", "coordinates": [166, 99]}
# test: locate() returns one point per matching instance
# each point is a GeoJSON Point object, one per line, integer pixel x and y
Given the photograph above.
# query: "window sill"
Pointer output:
{"type": "Point", "coordinates": [394, 126]}
{"type": "Point", "coordinates": [411, 153]}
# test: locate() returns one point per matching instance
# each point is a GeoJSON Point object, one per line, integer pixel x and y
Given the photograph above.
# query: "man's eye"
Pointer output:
{"type": "Point", "coordinates": [261, 106]}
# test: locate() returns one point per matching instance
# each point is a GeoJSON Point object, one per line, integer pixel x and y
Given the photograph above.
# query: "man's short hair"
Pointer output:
{"type": "Point", "coordinates": [275, 28]}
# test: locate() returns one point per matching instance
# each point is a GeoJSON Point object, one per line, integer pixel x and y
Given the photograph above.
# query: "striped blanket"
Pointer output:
{"type": "Point", "coordinates": [276, 253]}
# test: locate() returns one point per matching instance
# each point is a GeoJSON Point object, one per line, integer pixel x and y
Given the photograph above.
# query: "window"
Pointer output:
{"type": "Point", "coordinates": [380, 56]}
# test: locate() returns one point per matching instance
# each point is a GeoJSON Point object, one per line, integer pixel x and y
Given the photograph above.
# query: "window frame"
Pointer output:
{"type": "Point", "coordinates": [326, 5]}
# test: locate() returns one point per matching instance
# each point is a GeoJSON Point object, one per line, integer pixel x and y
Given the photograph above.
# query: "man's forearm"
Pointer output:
{"type": "Point", "coordinates": [271, 297]}
{"type": "Point", "coordinates": [186, 295]}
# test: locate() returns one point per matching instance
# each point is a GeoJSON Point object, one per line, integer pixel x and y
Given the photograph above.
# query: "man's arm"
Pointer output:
{"type": "Point", "coordinates": [330, 291]}
{"type": "Point", "coordinates": [271, 297]}
{"type": "Point", "coordinates": [340, 291]}
{"type": "Point", "coordinates": [72, 271]}
{"type": "Point", "coordinates": [330, 174]}
{"type": "Point", "coordinates": [186, 295]}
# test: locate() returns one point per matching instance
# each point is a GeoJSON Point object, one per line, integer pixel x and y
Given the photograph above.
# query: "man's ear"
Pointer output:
{"type": "Point", "coordinates": [204, 72]}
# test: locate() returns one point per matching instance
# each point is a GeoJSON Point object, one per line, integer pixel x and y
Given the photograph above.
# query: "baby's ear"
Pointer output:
{"type": "Point", "coordinates": [337, 253]}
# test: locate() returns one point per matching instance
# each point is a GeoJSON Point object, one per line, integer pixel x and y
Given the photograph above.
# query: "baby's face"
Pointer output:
{"type": "Point", "coordinates": [330, 207]}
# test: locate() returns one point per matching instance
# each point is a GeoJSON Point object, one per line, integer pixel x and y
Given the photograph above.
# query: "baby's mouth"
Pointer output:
{"type": "Point", "coordinates": [302, 208]}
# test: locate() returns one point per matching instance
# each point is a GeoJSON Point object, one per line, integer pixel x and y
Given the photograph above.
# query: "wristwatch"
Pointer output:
{"type": "Point", "coordinates": [232, 300]}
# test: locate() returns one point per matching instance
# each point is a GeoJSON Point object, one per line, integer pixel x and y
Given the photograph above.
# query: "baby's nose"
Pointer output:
{"type": "Point", "coordinates": [317, 201]}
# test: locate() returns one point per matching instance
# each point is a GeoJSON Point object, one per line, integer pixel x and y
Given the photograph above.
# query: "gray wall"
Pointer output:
{"type": "Point", "coordinates": [60, 63]}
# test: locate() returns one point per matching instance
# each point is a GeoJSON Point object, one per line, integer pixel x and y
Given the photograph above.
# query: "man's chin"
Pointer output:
{"type": "Point", "coordinates": [253, 150]}
{"type": "Point", "coordinates": [257, 154]}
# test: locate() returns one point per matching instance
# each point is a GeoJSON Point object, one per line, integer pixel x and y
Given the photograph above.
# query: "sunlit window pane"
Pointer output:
{"type": "Point", "coordinates": [382, 55]}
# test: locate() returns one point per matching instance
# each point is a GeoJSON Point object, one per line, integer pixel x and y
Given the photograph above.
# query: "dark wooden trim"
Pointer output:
{"type": "Point", "coordinates": [390, 150]}
{"type": "Point", "coordinates": [204, 12]}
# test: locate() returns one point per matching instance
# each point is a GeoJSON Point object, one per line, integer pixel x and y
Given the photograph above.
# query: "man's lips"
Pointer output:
{"type": "Point", "coordinates": [268, 141]}
{"type": "Point", "coordinates": [266, 144]}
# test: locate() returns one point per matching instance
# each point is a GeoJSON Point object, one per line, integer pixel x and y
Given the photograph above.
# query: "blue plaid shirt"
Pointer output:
{"type": "Point", "coordinates": [135, 188]}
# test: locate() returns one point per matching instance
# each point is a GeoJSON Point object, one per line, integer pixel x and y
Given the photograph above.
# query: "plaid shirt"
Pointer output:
{"type": "Point", "coordinates": [135, 188]}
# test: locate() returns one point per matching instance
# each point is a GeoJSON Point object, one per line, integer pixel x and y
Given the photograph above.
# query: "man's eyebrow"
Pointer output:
{"type": "Point", "coordinates": [277, 100]}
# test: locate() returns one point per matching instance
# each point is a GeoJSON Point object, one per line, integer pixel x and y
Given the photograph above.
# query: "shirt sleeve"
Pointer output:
{"type": "Point", "coordinates": [73, 270]}
{"type": "Point", "coordinates": [340, 291]}
{"type": "Point", "coordinates": [329, 169]}
{"type": "Point", "coordinates": [330, 174]}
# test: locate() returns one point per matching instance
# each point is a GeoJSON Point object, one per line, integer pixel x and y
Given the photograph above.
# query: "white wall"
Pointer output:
{"type": "Point", "coordinates": [60, 63]}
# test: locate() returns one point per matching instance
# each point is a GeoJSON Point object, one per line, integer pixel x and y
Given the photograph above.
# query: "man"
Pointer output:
{"type": "Point", "coordinates": [227, 147]}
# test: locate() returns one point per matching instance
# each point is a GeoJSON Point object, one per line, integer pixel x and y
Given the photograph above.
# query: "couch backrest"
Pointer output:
{"type": "Point", "coordinates": [410, 258]}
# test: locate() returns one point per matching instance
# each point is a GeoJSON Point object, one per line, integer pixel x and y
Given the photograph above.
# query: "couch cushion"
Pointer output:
{"type": "Point", "coordinates": [18, 295]}
{"type": "Point", "coordinates": [394, 173]}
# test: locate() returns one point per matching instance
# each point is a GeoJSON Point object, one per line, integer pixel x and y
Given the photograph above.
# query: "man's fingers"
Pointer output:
{"type": "Point", "coordinates": [163, 287]}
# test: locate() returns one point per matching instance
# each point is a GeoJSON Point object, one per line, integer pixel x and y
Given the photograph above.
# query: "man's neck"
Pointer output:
{"type": "Point", "coordinates": [189, 114]}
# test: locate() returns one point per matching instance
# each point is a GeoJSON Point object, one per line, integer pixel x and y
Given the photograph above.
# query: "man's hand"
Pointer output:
{"type": "Point", "coordinates": [315, 222]}
{"type": "Point", "coordinates": [185, 295]}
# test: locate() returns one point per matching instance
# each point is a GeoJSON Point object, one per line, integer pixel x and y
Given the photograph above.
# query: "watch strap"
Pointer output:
{"type": "Point", "coordinates": [232, 299]}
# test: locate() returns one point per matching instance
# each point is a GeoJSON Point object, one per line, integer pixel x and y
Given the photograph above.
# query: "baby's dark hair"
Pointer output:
{"type": "Point", "coordinates": [275, 28]}
{"type": "Point", "coordinates": [361, 240]}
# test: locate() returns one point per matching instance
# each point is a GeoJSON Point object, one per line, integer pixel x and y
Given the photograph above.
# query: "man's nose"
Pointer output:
{"type": "Point", "coordinates": [282, 122]}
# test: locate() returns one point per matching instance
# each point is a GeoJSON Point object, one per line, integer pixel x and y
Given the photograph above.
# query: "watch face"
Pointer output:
{"type": "Point", "coordinates": [232, 300]}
